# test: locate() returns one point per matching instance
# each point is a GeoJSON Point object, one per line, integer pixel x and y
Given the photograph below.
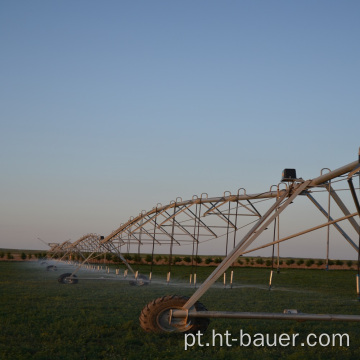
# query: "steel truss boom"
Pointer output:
{"type": "Point", "coordinates": [297, 188]}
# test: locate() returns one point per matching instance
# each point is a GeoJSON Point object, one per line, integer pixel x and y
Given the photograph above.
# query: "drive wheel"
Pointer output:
{"type": "Point", "coordinates": [66, 279]}
{"type": "Point", "coordinates": [156, 314]}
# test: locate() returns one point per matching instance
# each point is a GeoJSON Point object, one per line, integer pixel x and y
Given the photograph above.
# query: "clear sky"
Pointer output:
{"type": "Point", "coordinates": [109, 107]}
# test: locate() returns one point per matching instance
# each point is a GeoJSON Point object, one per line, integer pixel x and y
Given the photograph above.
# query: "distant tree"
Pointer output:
{"type": "Point", "coordinates": [319, 263]}
{"type": "Point", "coordinates": [218, 260]}
{"type": "Point", "coordinates": [349, 263]}
{"type": "Point", "coordinates": [128, 257]}
{"type": "Point", "coordinates": [280, 262]}
{"type": "Point", "coordinates": [198, 259]}
{"type": "Point", "coordinates": [268, 262]}
{"type": "Point", "coordinates": [148, 258]}
{"type": "Point", "coordinates": [240, 262]}
{"type": "Point", "coordinates": [137, 258]}
{"type": "Point", "coordinates": [23, 256]}
{"type": "Point", "coordinates": [290, 261]}
{"type": "Point", "coordinates": [300, 262]}
{"type": "Point", "coordinates": [309, 262]}
{"type": "Point", "coordinates": [108, 256]}
{"type": "Point", "coordinates": [158, 258]}
{"type": "Point", "coordinates": [331, 262]}
{"type": "Point", "coordinates": [177, 259]}
{"type": "Point", "coordinates": [187, 259]}
{"type": "Point", "coordinates": [247, 260]}
{"type": "Point", "coordinates": [29, 256]}
{"type": "Point", "coordinates": [339, 262]}
{"type": "Point", "coordinates": [9, 256]}
{"type": "Point", "coordinates": [259, 261]}
{"type": "Point", "coordinates": [209, 260]}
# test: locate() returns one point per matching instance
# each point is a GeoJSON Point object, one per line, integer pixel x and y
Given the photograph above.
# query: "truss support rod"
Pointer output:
{"type": "Point", "coordinates": [151, 236]}
{"type": "Point", "coordinates": [298, 234]}
{"type": "Point", "coordinates": [150, 218]}
{"type": "Point", "coordinates": [202, 223]}
{"type": "Point", "coordinates": [175, 214]}
{"type": "Point", "coordinates": [336, 225]}
{"type": "Point", "coordinates": [257, 213]}
{"type": "Point", "coordinates": [255, 231]}
{"type": "Point", "coordinates": [344, 209]}
{"type": "Point", "coordinates": [130, 236]}
{"type": "Point", "coordinates": [263, 315]}
{"type": "Point", "coordinates": [221, 216]}
{"type": "Point", "coordinates": [353, 193]}
{"type": "Point", "coordinates": [165, 232]}
{"type": "Point", "coordinates": [215, 206]}
{"type": "Point", "coordinates": [254, 212]}
{"type": "Point", "coordinates": [178, 225]}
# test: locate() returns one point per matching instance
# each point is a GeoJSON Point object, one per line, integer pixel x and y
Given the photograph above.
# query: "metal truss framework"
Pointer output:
{"type": "Point", "coordinates": [88, 243]}
{"type": "Point", "coordinates": [58, 249]}
{"type": "Point", "coordinates": [298, 187]}
{"type": "Point", "coordinates": [204, 218]}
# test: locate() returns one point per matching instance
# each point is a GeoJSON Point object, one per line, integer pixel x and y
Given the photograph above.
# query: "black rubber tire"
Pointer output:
{"type": "Point", "coordinates": [154, 316]}
{"type": "Point", "coordinates": [140, 281]}
{"type": "Point", "coordinates": [63, 279]}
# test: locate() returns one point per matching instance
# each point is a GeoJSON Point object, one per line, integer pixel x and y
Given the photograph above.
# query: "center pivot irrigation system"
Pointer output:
{"type": "Point", "coordinates": [234, 222]}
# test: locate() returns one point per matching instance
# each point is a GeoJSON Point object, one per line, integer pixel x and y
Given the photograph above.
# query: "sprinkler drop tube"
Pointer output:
{"type": "Point", "coordinates": [358, 286]}
{"type": "Point", "coordinates": [224, 279]}
{"type": "Point", "coordinates": [150, 275]}
{"type": "Point", "coordinates": [125, 273]}
{"type": "Point", "coordinates": [270, 281]}
{"type": "Point", "coordinates": [195, 279]}
{"type": "Point", "coordinates": [231, 278]}
{"type": "Point", "coordinates": [168, 277]}
{"type": "Point", "coordinates": [136, 275]}
{"type": "Point", "coordinates": [190, 278]}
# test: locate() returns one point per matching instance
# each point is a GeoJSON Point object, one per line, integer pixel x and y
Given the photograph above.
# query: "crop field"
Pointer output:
{"type": "Point", "coordinates": [96, 319]}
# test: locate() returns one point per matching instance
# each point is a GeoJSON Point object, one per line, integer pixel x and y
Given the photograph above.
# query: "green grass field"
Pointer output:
{"type": "Point", "coordinates": [94, 319]}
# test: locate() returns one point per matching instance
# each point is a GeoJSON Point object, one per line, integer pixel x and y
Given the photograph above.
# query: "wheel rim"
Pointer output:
{"type": "Point", "coordinates": [177, 324]}
{"type": "Point", "coordinates": [68, 280]}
